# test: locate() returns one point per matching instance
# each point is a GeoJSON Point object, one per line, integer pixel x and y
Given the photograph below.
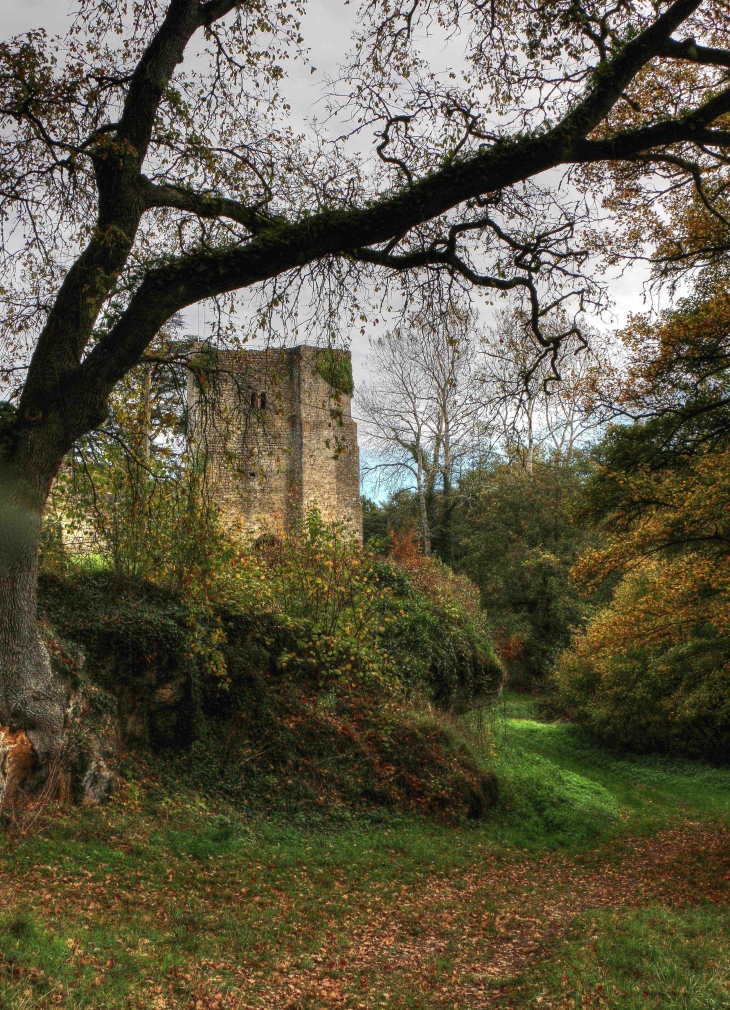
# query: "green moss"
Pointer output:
{"type": "Point", "coordinates": [335, 367]}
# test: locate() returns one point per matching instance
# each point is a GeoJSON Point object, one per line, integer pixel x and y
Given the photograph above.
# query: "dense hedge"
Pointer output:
{"type": "Point", "coordinates": [643, 679]}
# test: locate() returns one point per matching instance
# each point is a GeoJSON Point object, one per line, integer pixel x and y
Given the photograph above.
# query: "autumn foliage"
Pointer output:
{"type": "Point", "coordinates": [652, 671]}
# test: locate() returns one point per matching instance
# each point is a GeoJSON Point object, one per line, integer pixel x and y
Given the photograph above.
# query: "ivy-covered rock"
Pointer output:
{"type": "Point", "coordinates": [312, 675]}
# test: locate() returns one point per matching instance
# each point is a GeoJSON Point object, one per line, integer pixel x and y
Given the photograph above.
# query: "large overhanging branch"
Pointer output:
{"type": "Point", "coordinates": [688, 49]}
{"type": "Point", "coordinates": [690, 128]}
{"type": "Point", "coordinates": [613, 77]}
{"type": "Point", "coordinates": [278, 245]}
{"type": "Point", "coordinates": [285, 246]}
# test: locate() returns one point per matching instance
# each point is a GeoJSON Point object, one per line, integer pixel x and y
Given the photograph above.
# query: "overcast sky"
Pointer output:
{"type": "Point", "coordinates": [327, 29]}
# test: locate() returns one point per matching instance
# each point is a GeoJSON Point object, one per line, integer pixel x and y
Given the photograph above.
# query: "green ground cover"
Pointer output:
{"type": "Point", "coordinates": [599, 880]}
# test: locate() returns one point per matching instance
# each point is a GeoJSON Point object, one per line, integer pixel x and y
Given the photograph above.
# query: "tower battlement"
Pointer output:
{"type": "Point", "coordinates": [277, 434]}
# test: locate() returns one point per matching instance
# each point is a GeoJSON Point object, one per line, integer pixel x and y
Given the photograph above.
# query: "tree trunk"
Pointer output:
{"type": "Point", "coordinates": [32, 697]}
{"type": "Point", "coordinates": [447, 547]}
{"type": "Point", "coordinates": [431, 472]}
{"type": "Point", "coordinates": [448, 509]}
{"type": "Point", "coordinates": [147, 413]}
{"type": "Point", "coordinates": [529, 460]}
{"type": "Point", "coordinates": [36, 703]}
{"type": "Point", "coordinates": [425, 530]}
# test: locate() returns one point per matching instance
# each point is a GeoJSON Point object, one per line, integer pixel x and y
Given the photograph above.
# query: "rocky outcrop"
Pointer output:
{"type": "Point", "coordinates": [92, 744]}
{"type": "Point", "coordinates": [155, 707]}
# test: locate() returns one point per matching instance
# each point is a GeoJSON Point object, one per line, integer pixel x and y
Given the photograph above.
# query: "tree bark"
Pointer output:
{"type": "Point", "coordinates": [425, 530]}
{"type": "Point", "coordinates": [448, 504]}
{"type": "Point", "coordinates": [33, 697]}
{"type": "Point", "coordinates": [530, 456]}
{"type": "Point", "coordinates": [147, 413]}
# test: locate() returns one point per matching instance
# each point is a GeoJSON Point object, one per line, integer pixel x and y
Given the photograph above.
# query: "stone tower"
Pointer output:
{"type": "Point", "coordinates": [276, 430]}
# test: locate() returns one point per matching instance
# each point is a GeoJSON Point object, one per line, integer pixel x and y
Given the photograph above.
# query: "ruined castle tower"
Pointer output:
{"type": "Point", "coordinates": [276, 433]}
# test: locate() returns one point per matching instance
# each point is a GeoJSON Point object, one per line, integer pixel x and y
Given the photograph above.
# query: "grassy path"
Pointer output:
{"type": "Point", "coordinates": [599, 882]}
{"type": "Point", "coordinates": [475, 941]}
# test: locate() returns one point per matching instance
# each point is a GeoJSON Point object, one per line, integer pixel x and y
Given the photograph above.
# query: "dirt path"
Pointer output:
{"type": "Point", "coordinates": [461, 942]}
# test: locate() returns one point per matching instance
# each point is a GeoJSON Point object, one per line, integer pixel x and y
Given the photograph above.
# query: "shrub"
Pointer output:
{"type": "Point", "coordinates": [439, 636]}
{"type": "Point", "coordinates": [304, 670]}
{"type": "Point", "coordinates": [652, 670]}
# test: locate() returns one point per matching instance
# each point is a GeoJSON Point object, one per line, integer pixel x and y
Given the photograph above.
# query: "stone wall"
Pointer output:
{"type": "Point", "coordinates": [276, 435]}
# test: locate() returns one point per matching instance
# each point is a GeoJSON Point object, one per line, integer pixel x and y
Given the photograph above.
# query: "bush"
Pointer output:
{"type": "Point", "coordinates": [652, 670]}
{"type": "Point", "coordinates": [304, 672]}
{"type": "Point", "coordinates": [439, 633]}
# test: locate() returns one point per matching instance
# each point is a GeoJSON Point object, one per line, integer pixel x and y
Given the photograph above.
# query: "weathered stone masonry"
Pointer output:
{"type": "Point", "coordinates": [277, 435]}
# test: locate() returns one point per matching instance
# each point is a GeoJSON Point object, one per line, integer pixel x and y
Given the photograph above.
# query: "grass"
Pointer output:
{"type": "Point", "coordinates": [656, 957]}
{"type": "Point", "coordinates": [598, 881]}
{"type": "Point", "coordinates": [560, 788]}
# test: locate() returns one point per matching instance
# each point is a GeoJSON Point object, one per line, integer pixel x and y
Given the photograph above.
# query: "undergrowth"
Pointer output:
{"type": "Point", "coordinates": [176, 900]}
{"type": "Point", "coordinates": [311, 675]}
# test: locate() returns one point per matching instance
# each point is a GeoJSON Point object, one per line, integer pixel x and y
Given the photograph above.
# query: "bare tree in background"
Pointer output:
{"type": "Point", "coordinates": [539, 404]}
{"type": "Point", "coordinates": [421, 415]}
